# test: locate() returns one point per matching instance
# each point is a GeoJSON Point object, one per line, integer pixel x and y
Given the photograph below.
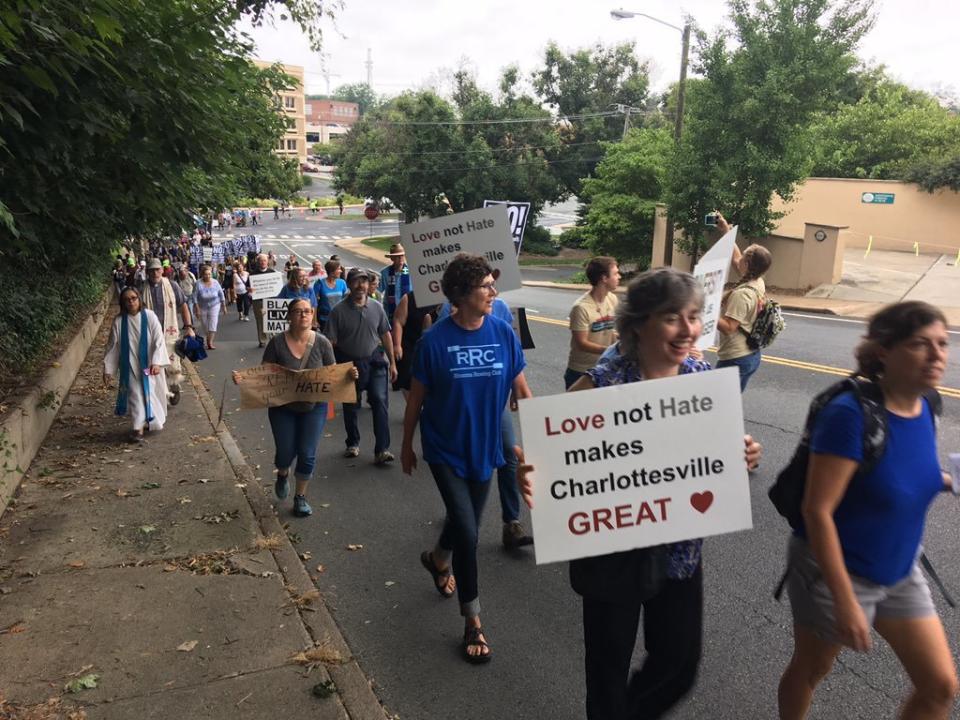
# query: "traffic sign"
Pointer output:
{"type": "Point", "coordinates": [371, 212]}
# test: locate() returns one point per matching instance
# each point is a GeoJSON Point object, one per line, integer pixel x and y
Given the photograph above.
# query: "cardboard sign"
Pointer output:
{"type": "Point", "coordinates": [432, 244]}
{"type": "Point", "coordinates": [266, 285]}
{"type": "Point", "coordinates": [275, 315]}
{"type": "Point", "coordinates": [270, 385]}
{"type": "Point", "coordinates": [636, 465]}
{"type": "Point", "coordinates": [712, 271]}
{"type": "Point", "coordinates": [517, 212]}
{"type": "Point", "coordinates": [208, 253]}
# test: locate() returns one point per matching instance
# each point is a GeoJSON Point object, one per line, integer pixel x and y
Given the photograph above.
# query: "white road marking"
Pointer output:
{"type": "Point", "coordinates": [832, 318]}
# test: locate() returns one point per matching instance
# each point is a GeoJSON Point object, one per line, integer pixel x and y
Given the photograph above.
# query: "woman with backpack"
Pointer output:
{"type": "Point", "coordinates": [853, 560]}
{"type": "Point", "coordinates": [740, 308]}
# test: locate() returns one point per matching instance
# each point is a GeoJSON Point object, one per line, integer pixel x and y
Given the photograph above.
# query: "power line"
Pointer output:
{"type": "Point", "coordinates": [584, 116]}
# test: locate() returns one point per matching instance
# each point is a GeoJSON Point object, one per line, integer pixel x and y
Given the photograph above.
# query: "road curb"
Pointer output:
{"type": "Point", "coordinates": [353, 686]}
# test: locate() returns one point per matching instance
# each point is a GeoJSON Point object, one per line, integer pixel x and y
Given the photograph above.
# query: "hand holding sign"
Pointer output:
{"type": "Point", "coordinates": [270, 385]}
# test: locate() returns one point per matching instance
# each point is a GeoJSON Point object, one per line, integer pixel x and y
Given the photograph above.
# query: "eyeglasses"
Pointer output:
{"type": "Point", "coordinates": [301, 312]}
{"type": "Point", "coordinates": [489, 287]}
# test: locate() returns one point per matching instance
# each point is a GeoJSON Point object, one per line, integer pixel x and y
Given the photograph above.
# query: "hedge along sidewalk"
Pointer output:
{"type": "Point", "coordinates": [25, 424]}
{"type": "Point", "coordinates": [156, 580]}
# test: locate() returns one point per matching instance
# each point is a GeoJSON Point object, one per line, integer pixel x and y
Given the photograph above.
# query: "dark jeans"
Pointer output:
{"type": "Point", "coordinates": [570, 377]}
{"type": "Point", "coordinates": [464, 501]}
{"type": "Point", "coordinates": [376, 387]}
{"type": "Point", "coordinates": [507, 473]}
{"type": "Point", "coordinates": [296, 435]}
{"type": "Point", "coordinates": [747, 365]}
{"type": "Point", "coordinates": [243, 304]}
{"type": "Point", "coordinates": [672, 636]}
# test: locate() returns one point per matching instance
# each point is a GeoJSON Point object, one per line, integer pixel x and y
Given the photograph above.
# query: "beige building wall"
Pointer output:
{"type": "Point", "coordinates": [294, 143]}
{"type": "Point", "coordinates": [932, 220]}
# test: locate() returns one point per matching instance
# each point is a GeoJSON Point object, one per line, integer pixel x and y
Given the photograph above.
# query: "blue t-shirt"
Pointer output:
{"type": "Point", "coordinates": [328, 296]}
{"type": "Point", "coordinates": [468, 375]}
{"type": "Point", "coordinates": [306, 293]}
{"type": "Point", "coordinates": [500, 310]}
{"type": "Point", "coordinates": [880, 519]}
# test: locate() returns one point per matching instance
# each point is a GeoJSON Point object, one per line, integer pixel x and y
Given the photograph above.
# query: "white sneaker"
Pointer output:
{"type": "Point", "coordinates": [384, 457]}
{"type": "Point", "coordinates": [351, 452]}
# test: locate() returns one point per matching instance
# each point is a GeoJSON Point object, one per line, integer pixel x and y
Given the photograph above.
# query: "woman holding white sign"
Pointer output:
{"type": "Point", "coordinates": [854, 560]}
{"type": "Point", "coordinates": [297, 426]}
{"type": "Point", "coordinates": [464, 370]}
{"type": "Point", "coordinates": [658, 323]}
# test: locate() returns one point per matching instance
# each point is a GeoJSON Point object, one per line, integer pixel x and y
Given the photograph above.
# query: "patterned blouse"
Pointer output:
{"type": "Point", "coordinates": [616, 369]}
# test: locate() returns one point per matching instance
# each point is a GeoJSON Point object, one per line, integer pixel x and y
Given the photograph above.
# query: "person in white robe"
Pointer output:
{"type": "Point", "coordinates": [142, 389]}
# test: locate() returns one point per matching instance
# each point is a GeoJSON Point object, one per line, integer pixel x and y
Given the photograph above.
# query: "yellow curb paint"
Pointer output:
{"type": "Point", "coordinates": [869, 245]}
{"type": "Point", "coordinates": [916, 249]}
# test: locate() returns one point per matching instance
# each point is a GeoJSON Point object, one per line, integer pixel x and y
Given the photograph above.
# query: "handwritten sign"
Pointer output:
{"type": "Point", "coordinates": [275, 315]}
{"type": "Point", "coordinates": [517, 213]}
{"type": "Point", "coordinates": [636, 465]}
{"type": "Point", "coordinates": [269, 385]}
{"type": "Point", "coordinates": [432, 244]}
{"type": "Point", "coordinates": [266, 285]}
{"type": "Point", "coordinates": [712, 271]}
{"type": "Point", "coordinates": [208, 253]}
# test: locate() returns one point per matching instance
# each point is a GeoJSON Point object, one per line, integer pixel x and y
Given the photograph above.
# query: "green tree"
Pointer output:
{"type": "Point", "coordinates": [934, 174]}
{"type": "Point", "coordinates": [359, 93]}
{"type": "Point", "coordinates": [889, 129]}
{"type": "Point", "coordinates": [620, 199]}
{"type": "Point", "coordinates": [588, 81]}
{"type": "Point", "coordinates": [117, 118]}
{"type": "Point", "coordinates": [748, 118]}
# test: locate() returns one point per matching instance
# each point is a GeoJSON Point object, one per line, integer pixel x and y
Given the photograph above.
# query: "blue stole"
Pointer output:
{"type": "Point", "coordinates": [123, 388]}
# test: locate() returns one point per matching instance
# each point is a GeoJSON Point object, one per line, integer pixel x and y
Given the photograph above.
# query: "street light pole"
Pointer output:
{"type": "Point", "coordinates": [622, 14]}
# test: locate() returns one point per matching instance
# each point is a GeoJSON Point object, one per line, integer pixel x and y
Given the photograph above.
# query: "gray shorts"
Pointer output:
{"type": "Point", "coordinates": [812, 602]}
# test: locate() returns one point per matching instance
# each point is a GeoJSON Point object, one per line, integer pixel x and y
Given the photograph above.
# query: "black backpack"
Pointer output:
{"type": "Point", "coordinates": [786, 493]}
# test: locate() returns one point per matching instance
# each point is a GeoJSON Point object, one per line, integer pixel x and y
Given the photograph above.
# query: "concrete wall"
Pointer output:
{"type": "Point", "coordinates": [24, 427]}
{"type": "Point", "coordinates": [933, 221]}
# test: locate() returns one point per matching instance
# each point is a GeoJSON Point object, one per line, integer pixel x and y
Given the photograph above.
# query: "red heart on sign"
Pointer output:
{"type": "Point", "coordinates": [702, 501]}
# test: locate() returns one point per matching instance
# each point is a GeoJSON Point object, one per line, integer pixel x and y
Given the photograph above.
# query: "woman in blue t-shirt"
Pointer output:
{"type": "Point", "coordinates": [854, 562]}
{"type": "Point", "coordinates": [464, 371]}
{"type": "Point", "coordinates": [329, 291]}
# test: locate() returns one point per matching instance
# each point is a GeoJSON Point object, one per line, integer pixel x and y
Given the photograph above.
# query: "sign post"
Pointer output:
{"type": "Point", "coordinates": [636, 465]}
{"type": "Point", "coordinates": [432, 244]}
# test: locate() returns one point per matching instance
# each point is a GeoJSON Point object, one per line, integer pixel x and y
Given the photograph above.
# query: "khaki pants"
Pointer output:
{"type": "Point", "coordinates": [258, 318]}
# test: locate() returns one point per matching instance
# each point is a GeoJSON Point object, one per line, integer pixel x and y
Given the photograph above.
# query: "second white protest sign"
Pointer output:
{"type": "Point", "coordinates": [636, 465]}
{"type": "Point", "coordinates": [430, 246]}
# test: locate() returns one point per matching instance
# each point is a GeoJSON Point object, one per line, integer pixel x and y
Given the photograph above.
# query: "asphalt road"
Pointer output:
{"type": "Point", "coordinates": [406, 637]}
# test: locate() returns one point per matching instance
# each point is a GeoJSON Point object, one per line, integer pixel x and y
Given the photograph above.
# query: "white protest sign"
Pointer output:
{"type": "Point", "coordinates": [712, 272]}
{"type": "Point", "coordinates": [517, 213]}
{"type": "Point", "coordinates": [432, 244]}
{"type": "Point", "coordinates": [275, 315]}
{"type": "Point", "coordinates": [636, 465]}
{"type": "Point", "coordinates": [207, 253]}
{"type": "Point", "coordinates": [266, 285]}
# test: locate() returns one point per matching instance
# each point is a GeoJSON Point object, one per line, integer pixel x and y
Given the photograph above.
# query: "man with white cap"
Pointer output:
{"type": "Point", "coordinates": [395, 281]}
{"type": "Point", "coordinates": [165, 299]}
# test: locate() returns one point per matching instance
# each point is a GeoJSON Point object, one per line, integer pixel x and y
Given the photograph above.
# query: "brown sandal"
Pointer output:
{"type": "Point", "coordinates": [471, 638]}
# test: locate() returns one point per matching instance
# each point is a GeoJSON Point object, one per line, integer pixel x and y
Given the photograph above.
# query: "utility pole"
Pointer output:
{"type": "Point", "coordinates": [678, 132]}
{"type": "Point", "coordinates": [369, 65]}
{"type": "Point", "coordinates": [626, 110]}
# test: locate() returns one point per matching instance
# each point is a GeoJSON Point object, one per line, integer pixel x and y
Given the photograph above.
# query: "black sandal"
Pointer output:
{"type": "Point", "coordinates": [426, 559]}
{"type": "Point", "coordinates": [471, 638]}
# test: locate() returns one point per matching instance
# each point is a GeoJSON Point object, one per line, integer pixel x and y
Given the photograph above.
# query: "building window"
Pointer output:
{"type": "Point", "coordinates": [291, 144]}
{"type": "Point", "coordinates": [289, 102]}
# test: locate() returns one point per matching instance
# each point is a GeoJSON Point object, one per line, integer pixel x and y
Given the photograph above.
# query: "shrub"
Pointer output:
{"type": "Point", "coordinates": [537, 241]}
{"type": "Point", "coordinates": [573, 237]}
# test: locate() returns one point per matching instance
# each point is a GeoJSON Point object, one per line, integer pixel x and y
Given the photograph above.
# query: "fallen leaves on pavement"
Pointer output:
{"type": "Point", "coordinates": [52, 709]}
{"type": "Point", "coordinates": [85, 682]}
{"type": "Point", "coordinates": [187, 646]}
{"type": "Point", "coordinates": [318, 655]}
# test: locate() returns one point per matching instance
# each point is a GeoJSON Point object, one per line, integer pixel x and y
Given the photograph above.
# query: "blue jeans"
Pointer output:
{"type": "Point", "coordinates": [296, 435]}
{"type": "Point", "coordinates": [464, 501]}
{"type": "Point", "coordinates": [507, 473]}
{"type": "Point", "coordinates": [376, 387]}
{"type": "Point", "coordinates": [570, 377]}
{"type": "Point", "coordinates": [747, 365]}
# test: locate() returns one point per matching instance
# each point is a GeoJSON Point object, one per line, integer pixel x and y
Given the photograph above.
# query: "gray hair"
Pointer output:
{"type": "Point", "coordinates": [655, 291]}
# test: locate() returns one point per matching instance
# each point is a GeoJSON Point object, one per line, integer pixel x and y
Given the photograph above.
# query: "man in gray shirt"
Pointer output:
{"type": "Point", "coordinates": [360, 333]}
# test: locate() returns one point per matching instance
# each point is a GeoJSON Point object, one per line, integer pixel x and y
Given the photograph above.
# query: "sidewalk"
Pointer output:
{"type": "Point", "coordinates": [157, 582]}
{"type": "Point", "coordinates": [866, 285]}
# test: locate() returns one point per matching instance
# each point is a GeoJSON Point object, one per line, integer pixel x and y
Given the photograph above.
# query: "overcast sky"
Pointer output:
{"type": "Point", "coordinates": [415, 43]}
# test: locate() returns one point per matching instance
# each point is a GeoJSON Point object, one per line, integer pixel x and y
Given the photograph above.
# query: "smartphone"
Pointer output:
{"type": "Point", "coordinates": [710, 219]}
